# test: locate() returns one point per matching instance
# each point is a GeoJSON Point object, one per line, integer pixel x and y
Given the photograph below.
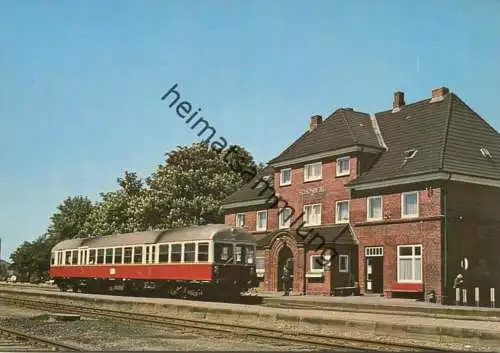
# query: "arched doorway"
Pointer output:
{"type": "Point", "coordinates": [285, 257]}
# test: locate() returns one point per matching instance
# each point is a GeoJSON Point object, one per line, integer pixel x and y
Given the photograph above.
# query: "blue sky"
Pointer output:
{"type": "Point", "coordinates": [81, 81]}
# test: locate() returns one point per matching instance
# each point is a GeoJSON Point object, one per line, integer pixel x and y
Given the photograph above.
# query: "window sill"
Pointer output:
{"type": "Point", "coordinates": [288, 184]}
{"type": "Point", "coordinates": [342, 175]}
{"type": "Point", "coordinates": [312, 180]}
{"type": "Point", "coordinates": [315, 274]}
{"type": "Point", "coordinates": [341, 222]}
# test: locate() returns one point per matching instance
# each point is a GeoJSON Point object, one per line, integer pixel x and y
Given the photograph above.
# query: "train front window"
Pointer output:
{"type": "Point", "coordinates": [223, 253]}
{"type": "Point", "coordinates": [202, 252]}
{"type": "Point", "coordinates": [127, 255]}
{"type": "Point", "coordinates": [176, 253]}
{"type": "Point", "coordinates": [250, 255]}
{"type": "Point", "coordinates": [189, 252]}
{"type": "Point", "coordinates": [244, 254]}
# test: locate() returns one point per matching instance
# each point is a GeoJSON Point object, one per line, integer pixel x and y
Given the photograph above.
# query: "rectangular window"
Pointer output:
{"type": "Point", "coordinates": [100, 256]}
{"type": "Point", "coordinates": [74, 257]}
{"type": "Point", "coordinates": [92, 257]}
{"type": "Point", "coordinates": [343, 166]}
{"type": "Point", "coordinates": [67, 257]}
{"type": "Point", "coordinates": [239, 254]}
{"type": "Point", "coordinates": [313, 171]}
{"type": "Point", "coordinates": [52, 259]}
{"type": "Point", "coordinates": [240, 220]}
{"type": "Point", "coordinates": [261, 221]}
{"type": "Point", "coordinates": [317, 263]}
{"type": "Point", "coordinates": [342, 212]}
{"type": "Point", "coordinates": [285, 216]}
{"type": "Point", "coordinates": [410, 263]}
{"type": "Point", "coordinates": [260, 263]}
{"type": "Point", "coordinates": [285, 177]}
{"type": "Point", "coordinates": [176, 253]}
{"type": "Point", "coordinates": [153, 254]}
{"type": "Point", "coordinates": [312, 215]}
{"type": "Point", "coordinates": [202, 252]}
{"type": "Point", "coordinates": [409, 204]}
{"type": "Point", "coordinates": [249, 254]}
{"type": "Point", "coordinates": [138, 255]}
{"type": "Point", "coordinates": [374, 208]}
{"type": "Point", "coordinates": [109, 256]}
{"type": "Point", "coordinates": [163, 253]}
{"type": "Point", "coordinates": [343, 263]}
{"type": "Point", "coordinates": [127, 255]}
{"type": "Point", "coordinates": [118, 255]}
{"type": "Point", "coordinates": [189, 252]}
{"type": "Point", "coordinates": [148, 254]}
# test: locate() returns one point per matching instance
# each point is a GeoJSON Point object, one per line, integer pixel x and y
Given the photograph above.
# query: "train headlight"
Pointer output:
{"type": "Point", "coordinates": [216, 270]}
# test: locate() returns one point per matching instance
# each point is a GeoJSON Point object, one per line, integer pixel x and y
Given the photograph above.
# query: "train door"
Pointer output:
{"type": "Point", "coordinates": [374, 267]}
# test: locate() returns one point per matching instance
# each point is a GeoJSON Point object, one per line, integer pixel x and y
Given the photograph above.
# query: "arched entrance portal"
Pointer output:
{"type": "Point", "coordinates": [285, 257]}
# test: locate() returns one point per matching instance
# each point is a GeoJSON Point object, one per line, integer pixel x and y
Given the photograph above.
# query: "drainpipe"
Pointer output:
{"type": "Point", "coordinates": [445, 245]}
{"type": "Point", "coordinates": [304, 280]}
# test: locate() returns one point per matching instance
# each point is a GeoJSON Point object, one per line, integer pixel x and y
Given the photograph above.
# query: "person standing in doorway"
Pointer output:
{"type": "Point", "coordinates": [286, 280]}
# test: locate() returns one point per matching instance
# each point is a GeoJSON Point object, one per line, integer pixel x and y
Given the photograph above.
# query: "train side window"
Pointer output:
{"type": "Point", "coordinates": [189, 252]}
{"type": "Point", "coordinates": [74, 257]}
{"type": "Point", "coordinates": [147, 254]}
{"type": "Point", "coordinates": [163, 253]}
{"type": "Point", "coordinates": [138, 255]}
{"type": "Point", "coordinates": [153, 254]}
{"type": "Point", "coordinates": [52, 259]}
{"type": "Point", "coordinates": [85, 257]}
{"type": "Point", "coordinates": [67, 260]}
{"type": "Point", "coordinates": [109, 255]}
{"type": "Point", "coordinates": [92, 257]}
{"type": "Point", "coordinates": [176, 253]}
{"type": "Point", "coordinates": [100, 256]}
{"type": "Point", "coordinates": [202, 252]}
{"type": "Point", "coordinates": [127, 255]}
{"type": "Point", "coordinates": [118, 255]}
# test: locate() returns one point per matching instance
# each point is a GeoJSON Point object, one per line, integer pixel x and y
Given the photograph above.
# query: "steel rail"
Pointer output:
{"type": "Point", "coordinates": [311, 339]}
{"type": "Point", "coordinates": [20, 339]}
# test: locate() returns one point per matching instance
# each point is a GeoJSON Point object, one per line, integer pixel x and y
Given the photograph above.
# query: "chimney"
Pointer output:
{"type": "Point", "coordinates": [398, 101]}
{"type": "Point", "coordinates": [439, 93]}
{"type": "Point", "coordinates": [315, 121]}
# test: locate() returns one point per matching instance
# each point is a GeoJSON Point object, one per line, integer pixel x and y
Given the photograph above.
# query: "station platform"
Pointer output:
{"type": "Point", "coordinates": [373, 303]}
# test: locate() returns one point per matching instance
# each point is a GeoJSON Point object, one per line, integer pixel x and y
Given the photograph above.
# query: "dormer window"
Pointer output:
{"type": "Point", "coordinates": [409, 154]}
{"type": "Point", "coordinates": [286, 177]}
{"type": "Point", "coordinates": [343, 166]}
{"type": "Point", "coordinates": [313, 171]}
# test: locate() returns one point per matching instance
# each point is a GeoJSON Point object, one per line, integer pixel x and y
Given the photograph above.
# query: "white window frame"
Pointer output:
{"type": "Point", "coordinates": [260, 271]}
{"type": "Point", "coordinates": [413, 257]}
{"type": "Point", "coordinates": [403, 195]}
{"type": "Point", "coordinates": [264, 228]}
{"type": "Point", "coordinates": [346, 257]}
{"type": "Point", "coordinates": [280, 218]}
{"type": "Point", "coordinates": [310, 167]}
{"type": "Point", "coordinates": [315, 270]}
{"type": "Point", "coordinates": [237, 218]}
{"type": "Point", "coordinates": [368, 218]}
{"type": "Point", "coordinates": [340, 173]}
{"type": "Point", "coordinates": [311, 207]}
{"type": "Point", "coordinates": [281, 177]}
{"type": "Point", "coordinates": [337, 213]}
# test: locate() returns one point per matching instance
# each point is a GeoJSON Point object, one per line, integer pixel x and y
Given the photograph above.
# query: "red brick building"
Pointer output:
{"type": "Point", "coordinates": [397, 202]}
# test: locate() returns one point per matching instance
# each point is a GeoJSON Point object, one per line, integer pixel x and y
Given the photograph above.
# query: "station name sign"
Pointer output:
{"type": "Point", "coordinates": [312, 191]}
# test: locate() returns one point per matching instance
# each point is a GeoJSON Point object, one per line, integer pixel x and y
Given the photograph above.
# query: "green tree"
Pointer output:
{"type": "Point", "coordinates": [70, 217]}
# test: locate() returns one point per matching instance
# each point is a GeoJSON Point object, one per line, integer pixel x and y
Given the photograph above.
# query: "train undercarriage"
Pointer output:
{"type": "Point", "coordinates": [216, 289]}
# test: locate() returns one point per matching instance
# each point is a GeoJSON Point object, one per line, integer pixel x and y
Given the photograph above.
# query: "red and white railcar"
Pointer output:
{"type": "Point", "coordinates": [212, 259]}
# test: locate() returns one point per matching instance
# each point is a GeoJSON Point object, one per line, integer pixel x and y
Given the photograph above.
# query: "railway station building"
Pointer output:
{"type": "Point", "coordinates": [395, 203]}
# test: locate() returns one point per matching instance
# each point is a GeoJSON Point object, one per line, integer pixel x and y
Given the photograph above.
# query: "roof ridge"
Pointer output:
{"type": "Point", "coordinates": [444, 142]}
{"type": "Point", "coordinates": [342, 113]}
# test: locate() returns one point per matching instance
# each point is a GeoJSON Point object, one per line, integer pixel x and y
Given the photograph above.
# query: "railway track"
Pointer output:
{"type": "Point", "coordinates": [309, 339]}
{"type": "Point", "coordinates": [16, 341]}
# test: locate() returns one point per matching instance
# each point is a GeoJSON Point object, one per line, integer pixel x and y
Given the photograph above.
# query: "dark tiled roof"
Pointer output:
{"type": "Point", "coordinates": [328, 235]}
{"type": "Point", "coordinates": [249, 191]}
{"type": "Point", "coordinates": [447, 135]}
{"type": "Point", "coordinates": [344, 128]}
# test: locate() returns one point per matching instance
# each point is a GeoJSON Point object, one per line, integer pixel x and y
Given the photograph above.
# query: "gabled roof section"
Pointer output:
{"type": "Point", "coordinates": [252, 191]}
{"type": "Point", "coordinates": [442, 137]}
{"type": "Point", "coordinates": [344, 128]}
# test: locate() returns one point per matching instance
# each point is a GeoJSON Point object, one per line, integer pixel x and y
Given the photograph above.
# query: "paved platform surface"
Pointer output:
{"type": "Point", "coordinates": [378, 302]}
